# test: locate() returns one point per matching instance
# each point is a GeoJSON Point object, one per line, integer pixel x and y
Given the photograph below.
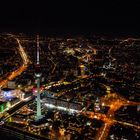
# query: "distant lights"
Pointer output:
{"type": "Point", "coordinates": [8, 94]}
{"type": "Point", "coordinates": [95, 117]}
{"type": "Point", "coordinates": [19, 86]}
{"type": "Point", "coordinates": [50, 105]}
{"type": "Point", "coordinates": [108, 88]}
{"type": "Point", "coordinates": [88, 123]}
{"type": "Point", "coordinates": [103, 74]}
{"type": "Point", "coordinates": [61, 108]}
{"type": "Point", "coordinates": [38, 74]}
{"type": "Point", "coordinates": [103, 104]}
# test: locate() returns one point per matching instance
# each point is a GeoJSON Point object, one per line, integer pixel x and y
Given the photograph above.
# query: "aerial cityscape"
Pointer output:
{"type": "Point", "coordinates": [69, 88]}
{"type": "Point", "coordinates": [70, 70]}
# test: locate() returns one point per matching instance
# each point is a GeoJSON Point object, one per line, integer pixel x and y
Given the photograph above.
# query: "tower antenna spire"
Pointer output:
{"type": "Point", "coordinates": [38, 48]}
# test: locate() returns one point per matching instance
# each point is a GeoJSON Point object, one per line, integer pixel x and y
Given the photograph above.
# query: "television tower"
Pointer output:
{"type": "Point", "coordinates": [38, 76]}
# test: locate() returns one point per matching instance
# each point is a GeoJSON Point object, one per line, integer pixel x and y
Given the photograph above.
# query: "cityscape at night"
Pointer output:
{"type": "Point", "coordinates": [73, 77]}
{"type": "Point", "coordinates": [71, 88]}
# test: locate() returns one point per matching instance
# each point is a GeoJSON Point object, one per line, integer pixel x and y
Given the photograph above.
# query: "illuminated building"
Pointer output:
{"type": "Point", "coordinates": [82, 68]}
{"type": "Point", "coordinates": [11, 84]}
{"type": "Point", "coordinates": [8, 94]}
{"type": "Point", "coordinates": [2, 106]}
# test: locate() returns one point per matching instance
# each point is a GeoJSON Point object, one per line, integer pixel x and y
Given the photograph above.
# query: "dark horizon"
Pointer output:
{"type": "Point", "coordinates": [66, 31]}
{"type": "Point", "coordinates": [84, 18]}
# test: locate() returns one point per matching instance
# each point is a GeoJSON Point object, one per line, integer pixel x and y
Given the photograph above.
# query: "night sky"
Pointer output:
{"type": "Point", "coordinates": [81, 17]}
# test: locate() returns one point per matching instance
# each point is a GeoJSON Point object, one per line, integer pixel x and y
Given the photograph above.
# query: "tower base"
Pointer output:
{"type": "Point", "coordinates": [37, 118]}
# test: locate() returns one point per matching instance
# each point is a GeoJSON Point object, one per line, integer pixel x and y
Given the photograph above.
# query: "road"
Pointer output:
{"type": "Point", "coordinates": [115, 102]}
{"type": "Point", "coordinates": [17, 72]}
{"type": "Point", "coordinates": [18, 106]}
{"type": "Point", "coordinates": [22, 68]}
